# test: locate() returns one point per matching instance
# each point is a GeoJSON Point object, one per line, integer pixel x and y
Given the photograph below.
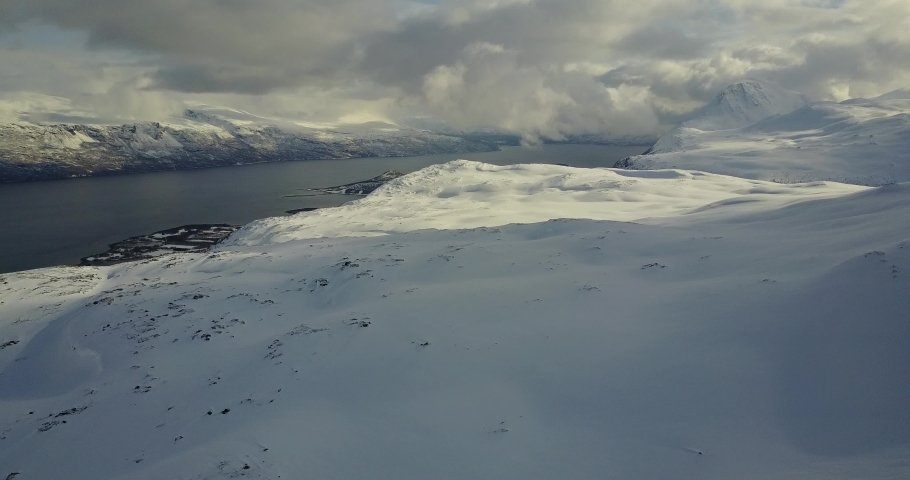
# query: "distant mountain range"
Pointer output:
{"type": "Point", "coordinates": [760, 131]}
{"type": "Point", "coordinates": [204, 137]}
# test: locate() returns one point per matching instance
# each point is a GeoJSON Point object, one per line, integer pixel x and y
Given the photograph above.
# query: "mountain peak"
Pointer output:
{"type": "Point", "coordinates": [745, 103]}
{"type": "Point", "coordinates": [899, 94]}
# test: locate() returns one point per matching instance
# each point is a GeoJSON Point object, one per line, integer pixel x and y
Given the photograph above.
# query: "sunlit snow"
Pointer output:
{"type": "Point", "coordinates": [472, 321]}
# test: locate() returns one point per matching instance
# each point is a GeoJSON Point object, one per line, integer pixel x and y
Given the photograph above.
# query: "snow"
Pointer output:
{"type": "Point", "coordinates": [526, 321]}
{"type": "Point", "coordinates": [153, 140]}
{"type": "Point", "coordinates": [466, 194]}
{"type": "Point", "coordinates": [230, 120]}
{"type": "Point", "coordinates": [739, 105]}
{"type": "Point", "coordinates": [61, 138]}
{"type": "Point", "coordinates": [202, 137]}
{"type": "Point", "coordinates": [454, 324]}
{"type": "Point", "coordinates": [858, 141]}
{"type": "Point", "coordinates": [900, 94]}
{"type": "Point", "coordinates": [745, 103]}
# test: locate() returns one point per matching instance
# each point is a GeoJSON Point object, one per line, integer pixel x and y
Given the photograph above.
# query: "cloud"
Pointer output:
{"type": "Point", "coordinates": [220, 78]}
{"type": "Point", "coordinates": [488, 88]}
{"type": "Point", "coordinates": [221, 39]}
{"type": "Point", "coordinates": [534, 67]}
{"type": "Point", "coordinates": [663, 41]}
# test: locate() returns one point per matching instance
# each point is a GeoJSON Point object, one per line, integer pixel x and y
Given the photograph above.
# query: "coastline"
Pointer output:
{"type": "Point", "coordinates": [55, 223]}
{"type": "Point", "coordinates": [183, 239]}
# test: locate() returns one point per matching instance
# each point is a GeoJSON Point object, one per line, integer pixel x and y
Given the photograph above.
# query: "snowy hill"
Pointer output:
{"type": "Point", "coordinates": [743, 104]}
{"type": "Point", "coordinates": [900, 94]}
{"type": "Point", "coordinates": [465, 194]}
{"type": "Point", "coordinates": [203, 137]}
{"type": "Point", "coordinates": [739, 105]}
{"type": "Point", "coordinates": [859, 141]}
{"type": "Point", "coordinates": [683, 325]}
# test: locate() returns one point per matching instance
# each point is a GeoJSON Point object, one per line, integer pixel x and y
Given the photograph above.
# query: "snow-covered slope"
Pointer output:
{"type": "Point", "coordinates": [466, 194]}
{"type": "Point", "coordinates": [746, 329]}
{"type": "Point", "coordinates": [739, 105]}
{"type": "Point", "coordinates": [859, 141]}
{"type": "Point", "coordinates": [745, 103]}
{"type": "Point", "coordinates": [203, 137]}
{"type": "Point", "coordinates": [899, 94]}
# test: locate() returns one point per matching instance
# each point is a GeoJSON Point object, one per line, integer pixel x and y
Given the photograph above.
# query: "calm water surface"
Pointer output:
{"type": "Point", "coordinates": [58, 222]}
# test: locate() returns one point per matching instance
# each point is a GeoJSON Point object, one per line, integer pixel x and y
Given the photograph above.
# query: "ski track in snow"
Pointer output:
{"type": "Point", "coordinates": [454, 325]}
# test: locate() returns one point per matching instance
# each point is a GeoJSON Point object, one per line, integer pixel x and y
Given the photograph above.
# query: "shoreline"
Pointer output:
{"type": "Point", "coordinates": [91, 213]}
{"type": "Point", "coordinates": [201, 237]}
{"type": "Point", "coordinates": [182, 239]}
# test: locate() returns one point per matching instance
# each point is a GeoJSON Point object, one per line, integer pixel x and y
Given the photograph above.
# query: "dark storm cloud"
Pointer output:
{"type": "Point", "coordinates": [298, 39]}
{"type": "Point", "coordinates": [540, 32]}
{"type": "Point", "coordinates": [201, 79]}
{"type": "Point", "coordinates": [663, 41]}
{"type": "Point", "coordinates": [403, 57]}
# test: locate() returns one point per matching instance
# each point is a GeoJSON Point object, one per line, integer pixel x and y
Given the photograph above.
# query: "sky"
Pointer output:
{"type": "Point", "coordinates": [537, 68]}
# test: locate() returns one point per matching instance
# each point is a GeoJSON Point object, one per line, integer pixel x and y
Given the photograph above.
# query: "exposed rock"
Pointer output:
{"type": "Point", "coordinates": [188, 238]}
{"type": "Point", "coordinates": [364, 187]}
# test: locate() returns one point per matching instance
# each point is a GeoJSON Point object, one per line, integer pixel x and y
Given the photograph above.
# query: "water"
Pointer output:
{"type": "Point", "coordinates": [58, 222]}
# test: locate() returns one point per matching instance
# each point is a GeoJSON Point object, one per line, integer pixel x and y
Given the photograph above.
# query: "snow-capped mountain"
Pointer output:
{"type": "Point", "coordinates": [739, 105]}
{"type": "Point", "coordinates": [862, 141]}
{"type": "Point", "coordinates": [203, 137]}
{"type": "Point", "coordinates": [454, 324]}
{"type": "Point", "coordinates": [743, 104]}
{"type": "Point", "coordinates": [899, 94]}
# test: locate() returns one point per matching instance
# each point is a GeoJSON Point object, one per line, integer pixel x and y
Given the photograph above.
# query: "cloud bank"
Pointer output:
{"type": "Point", "coordinates": [533, 67]}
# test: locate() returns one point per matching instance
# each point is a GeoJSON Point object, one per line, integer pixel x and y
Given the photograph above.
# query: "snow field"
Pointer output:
{"type": "Point", "coordinates": [454, 325]}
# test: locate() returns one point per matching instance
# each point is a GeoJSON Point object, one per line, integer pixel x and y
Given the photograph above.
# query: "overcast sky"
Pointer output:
{"type": "Point", "coordinates": [534, 67]}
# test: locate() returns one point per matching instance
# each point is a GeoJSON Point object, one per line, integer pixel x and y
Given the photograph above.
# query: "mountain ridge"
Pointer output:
{"type": "Point", "coordinates": [860, 141]}
{"type": "Point", "coordinates": [744, 103]}
{"type": "Point", "coordinates": [201, 139]}
{"type": "Point", "coordinates": [738, 105]}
